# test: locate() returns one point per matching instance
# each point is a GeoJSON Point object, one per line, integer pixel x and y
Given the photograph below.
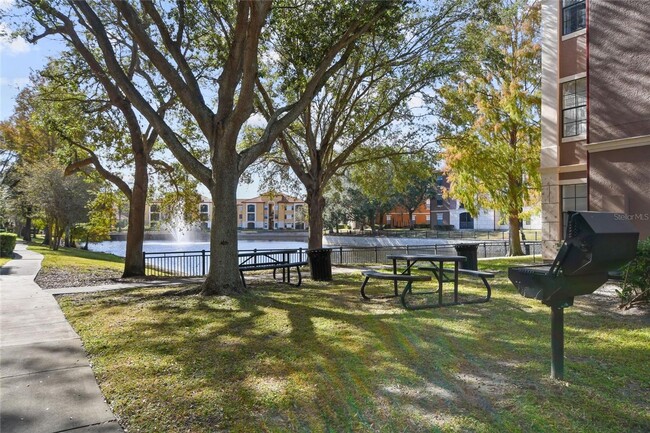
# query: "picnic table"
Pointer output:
{"type": "Point", "coordinates": [436, 264]}
{"type": "Point", "coordinates": [272, 260]}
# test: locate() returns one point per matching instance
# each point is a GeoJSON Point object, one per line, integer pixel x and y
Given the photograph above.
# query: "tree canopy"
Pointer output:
{"type": "Point", "coordinates": [489, 115]}
{"type": "Point", "coordinates": [207, 55]}
{"type": "Point", "coordinates": [363, 112]}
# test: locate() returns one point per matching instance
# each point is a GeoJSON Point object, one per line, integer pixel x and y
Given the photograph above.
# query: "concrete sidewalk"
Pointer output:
{"type": "Point", "coordinates": [46, 384]}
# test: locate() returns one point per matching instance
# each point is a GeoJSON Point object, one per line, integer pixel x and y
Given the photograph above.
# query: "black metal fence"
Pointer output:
{"type": "Point", "coordinates": [177, 263]}
{"type": "Point", "coordinates": [478, 235]}
{"type": "Point", "coordinates": [197, 263]}
{"type": "Point", "coordinates": [360, 255]}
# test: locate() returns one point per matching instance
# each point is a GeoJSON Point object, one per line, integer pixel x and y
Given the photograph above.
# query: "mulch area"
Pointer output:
{"type": "Point", "coordinates": [60, 278]}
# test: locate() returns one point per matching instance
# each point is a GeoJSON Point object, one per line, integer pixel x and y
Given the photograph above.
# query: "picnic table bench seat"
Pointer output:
{"type": "Point", "coordinates": [483, 275]}
{"type": "Point", "coordinates": [271, 260]}
{"type": "Point", "coordinates": [274, 267]}
{"type": "Point", "coordinates": [391, 277]}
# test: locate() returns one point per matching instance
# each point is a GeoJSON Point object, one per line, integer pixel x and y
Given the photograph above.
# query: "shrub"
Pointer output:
{"type": "Point", "coordinates": [636, 286]}
{"type": "Point", "coordinates": [7, 244]}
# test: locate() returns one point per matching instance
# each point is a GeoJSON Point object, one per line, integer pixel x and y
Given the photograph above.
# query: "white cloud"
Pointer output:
{"type": "Point", "coordinates": [10, 44]}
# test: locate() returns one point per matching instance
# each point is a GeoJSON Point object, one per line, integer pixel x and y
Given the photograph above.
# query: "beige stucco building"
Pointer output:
{"type": "Point", "coordinates": [272, 211]}
{"type": "Point", "coordinates": [595, 112]}
{"type": "Point", "coordinates": [267, 211]}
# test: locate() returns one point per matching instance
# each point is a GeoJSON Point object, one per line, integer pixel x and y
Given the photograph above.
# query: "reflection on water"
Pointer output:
{"type": "Point", "coordinates": [118, 247]}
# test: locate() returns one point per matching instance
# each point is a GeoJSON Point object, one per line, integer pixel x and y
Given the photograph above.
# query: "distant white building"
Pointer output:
{"type": "Point", "coordinates": [487, 220]}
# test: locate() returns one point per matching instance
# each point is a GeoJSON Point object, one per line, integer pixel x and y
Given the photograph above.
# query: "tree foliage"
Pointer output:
{"type": "Point", "coordinates": [206, 54]}
{"type": "Point", "coordinates": [490, 112]}
{"type": "Point", "coordinates": [364, 112]}
{"type": "Point", "coordinates": [58, 199]}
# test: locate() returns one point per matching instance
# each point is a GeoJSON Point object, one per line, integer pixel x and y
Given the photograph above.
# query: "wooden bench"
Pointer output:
{"type": "Point", "coordinates": [271, 260]}
{"type": "Point", "coordinates": [483, 275]}
{"type": "Point", "coordinates": [391, 277]}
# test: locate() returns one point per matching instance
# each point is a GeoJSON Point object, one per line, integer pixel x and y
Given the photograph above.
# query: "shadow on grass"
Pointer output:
{"type": "Point", "coordinates": [316, 358]}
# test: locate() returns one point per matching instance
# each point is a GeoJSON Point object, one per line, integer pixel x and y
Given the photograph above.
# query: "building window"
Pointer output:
{"type": "Point", "coordinates": [387, 218]}
{"type": "Point", "coordinates": [439, 200]}
{"type": "Point", "coordinates": [440, 219]}
{"type": "Point", "coordinates": [289, 207]}
{"type": "Point", "coordinates": [251, 208]}
{"type": "Point", "coordinates": [251, 217]}
{"type": "Point", "coordinates": [154, 213]}
{"type": "Point", "coordinates": [574, 198]}
{"type": "Point", "coordinates": [574, 108]}
{"type": "Point", "coordinates": [574, 16]}
{"type": "Point", "coordinates": [204, 211]}
{"type": "Point", "coordinates": [439, 180]}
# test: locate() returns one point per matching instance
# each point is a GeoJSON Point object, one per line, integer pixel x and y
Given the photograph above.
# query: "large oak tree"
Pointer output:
{"type": "Point", "coordinates": [365, 112]}
{"type": "Point", "coordinates": [207, 53]}
{"type": "Point", "coordinates": [100, 130]}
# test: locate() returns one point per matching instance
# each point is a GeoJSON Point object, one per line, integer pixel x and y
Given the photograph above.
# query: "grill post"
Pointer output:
{"type": "Point", "coordinates": [202, 262]}
{"type": "Point", "coordinates": [557, 343]}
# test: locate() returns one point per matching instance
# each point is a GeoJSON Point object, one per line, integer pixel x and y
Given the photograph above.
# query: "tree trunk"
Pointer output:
{"type": "Point", "coordinates": [27, 237]}
{"type": "Point", "coordinates": [47, 234]}
{"type": "Point", "coordinates": [513, 237]}
{"type": "Point", "coordinates": [316, 205]}
{"type": "Point", "coordinates": [133, 264]}
{"type": "Point", "coordinates": [223, 277]}
{"type": "Point", "coordinates": [67, 241]}
{"type": "Point", "coordinates": [57, 233]}
{"type": "Point", "coordinates": [411, 225]}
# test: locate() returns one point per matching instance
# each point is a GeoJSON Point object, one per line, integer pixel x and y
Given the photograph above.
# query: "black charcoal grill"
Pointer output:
{"type": "Point", "coordinates": [596, 243]}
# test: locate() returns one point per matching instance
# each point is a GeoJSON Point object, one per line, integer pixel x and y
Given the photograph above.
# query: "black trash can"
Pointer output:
{"type": "Point", "coordinates": [470, 252]}
{"type": "Point", "coordinates": [320, 264]}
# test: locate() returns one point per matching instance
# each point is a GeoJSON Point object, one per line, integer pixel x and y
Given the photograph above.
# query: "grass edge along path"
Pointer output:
{"type": "Point", "coordinates": [316, 358]}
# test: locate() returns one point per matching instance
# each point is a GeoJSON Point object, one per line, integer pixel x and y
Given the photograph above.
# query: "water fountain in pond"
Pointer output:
{"type": "Point", "coordinates": [178, 227]}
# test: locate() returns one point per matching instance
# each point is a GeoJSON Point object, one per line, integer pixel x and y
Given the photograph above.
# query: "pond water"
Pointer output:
{"type": "Point", "coordinates": [119, 247]}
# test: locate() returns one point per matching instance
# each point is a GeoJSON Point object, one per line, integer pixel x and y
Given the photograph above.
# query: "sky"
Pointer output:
{"type": "Point", "coordinates": [18, 59]}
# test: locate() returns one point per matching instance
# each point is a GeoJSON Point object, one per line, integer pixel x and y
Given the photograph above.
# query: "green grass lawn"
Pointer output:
{"type": "Point", "coordinates": [81, 260]}
{"type": "Point", "coordinates": [4, 260]}
{"type": "Point", "coordinates": [317, 359]}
